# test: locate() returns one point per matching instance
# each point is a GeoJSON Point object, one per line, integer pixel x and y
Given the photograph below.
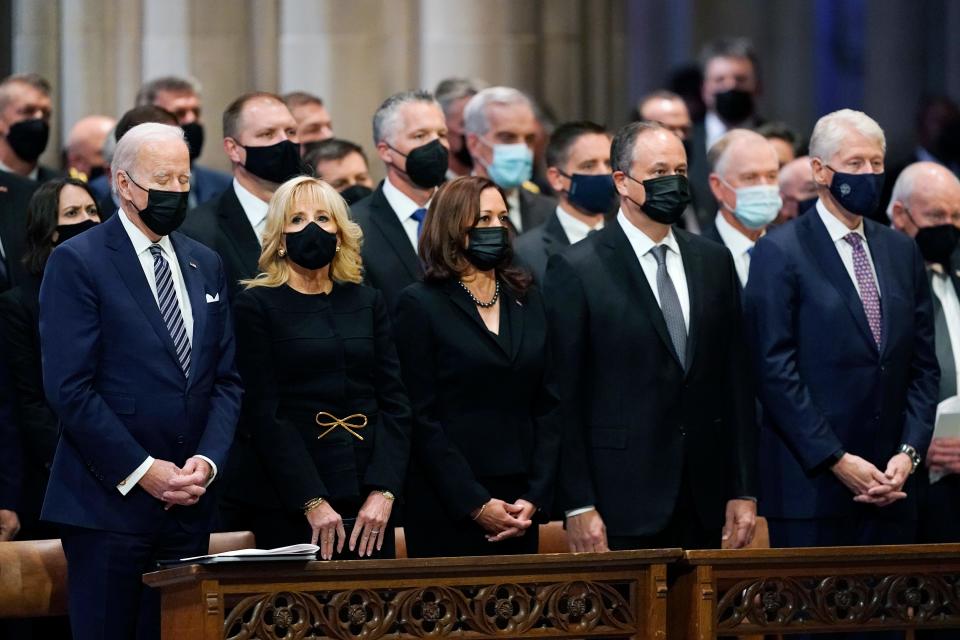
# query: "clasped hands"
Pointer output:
{"type": "Point", "coordinates": [174, 485]}
{"type": "Point", "coordinates": [869, 484]}
{"type": "Point", "coordinates": [502, 520]}
{"type": "Point", "coordinates": [369, 529]}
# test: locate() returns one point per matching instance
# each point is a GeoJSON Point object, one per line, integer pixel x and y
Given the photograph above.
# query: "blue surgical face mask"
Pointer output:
{"type": "Point", "coordinates": [512, 165]}
{"type": "Point", "coordinates": [757, 206]}
{"type": "Point", "coordinates": [858, 193]}
{"type": "Point", "coordinates": [591, 193]}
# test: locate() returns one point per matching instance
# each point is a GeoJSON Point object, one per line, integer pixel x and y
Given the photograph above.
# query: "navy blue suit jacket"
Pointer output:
{"type": "Point", "coordinates": [111, 374]}
{"type": "Point", "coordinates": [823, 382]}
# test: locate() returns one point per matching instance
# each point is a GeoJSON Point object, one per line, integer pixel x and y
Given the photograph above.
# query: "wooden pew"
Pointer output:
{"type": "Point", "coordinates": [33, 574]}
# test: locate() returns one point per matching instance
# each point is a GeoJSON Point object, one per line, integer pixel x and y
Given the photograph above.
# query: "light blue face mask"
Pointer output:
{"type": "Point", "coordinates": [512, 165]}
{"type": "Point", "coordinates": [757, 206]}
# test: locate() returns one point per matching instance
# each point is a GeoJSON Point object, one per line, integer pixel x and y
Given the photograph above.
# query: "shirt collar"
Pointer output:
{"type": "Point", "coordinates": [575, 229]}
{"type": "Point", "coordinates": [733, 238]}
{"type": "Point", "coordinates": [400, 202]}
{"type": "Point", "coordinates": [835, 228]}
{"type": "Point", "coordinates": [641, 242]}
{"type": "Point", "coordinates": [33, 175]}
{"type": "Point", "coordinates": [255, 208]}
{"type": "Point", "coordinates": [140, 241]}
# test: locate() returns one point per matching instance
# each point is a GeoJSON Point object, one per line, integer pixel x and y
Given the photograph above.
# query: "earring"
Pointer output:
{"type": "Point", "coordinates": [282, 252]}
{"type": "Point", "coordinates": [338, 248]}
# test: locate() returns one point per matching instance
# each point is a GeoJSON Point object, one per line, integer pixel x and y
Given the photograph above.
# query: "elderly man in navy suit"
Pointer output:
{"type": "Point", "coordinates": [840, 322]}
{"type": "Point", "coordinates": [138, 354]}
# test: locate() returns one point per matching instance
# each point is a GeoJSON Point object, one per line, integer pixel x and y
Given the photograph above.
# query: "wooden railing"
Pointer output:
{"type": "Point", "coordinates": [622, 594]}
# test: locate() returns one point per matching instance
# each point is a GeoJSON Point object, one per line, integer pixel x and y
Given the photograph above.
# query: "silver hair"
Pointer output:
{"type": "Point", "coordinates": [717, 154]}
{"type": "Point", "coordinates": [904, 187]}
{"type": "Point", "coordinates": [829, 132]}
{"type": "Point", "coordinates": [385, 118]}
{"type": "Point", "coordinates": [449, 90]}
{"type": "Point", "coordinates": [475, 112]}
{"type": "Point", "coordinates": [125, 155]}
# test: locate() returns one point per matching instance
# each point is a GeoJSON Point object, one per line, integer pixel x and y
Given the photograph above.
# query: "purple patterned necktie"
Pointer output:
{"type": "Point", "coordinates": [866, 285]}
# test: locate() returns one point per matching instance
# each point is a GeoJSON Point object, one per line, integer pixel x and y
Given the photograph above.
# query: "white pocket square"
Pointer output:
{"type": "Point", "coordinates": [213, 298]}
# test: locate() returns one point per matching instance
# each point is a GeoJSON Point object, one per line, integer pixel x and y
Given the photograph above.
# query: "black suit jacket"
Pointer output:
{"type": "Point", "coordinates": [11, 454]}
{"type": "Point", "coordinates": [15, 194]}
{"type": "Point", "coordinates": [390, 262]}
{"type": "Point", "coordinates": [534, 208]}
{"type": "Point", "coordinates": [222, 225]}
{"type": "Point", "coordinates": [710, 233]}
{"type": "Point", "coordinates": [699, 174]}
{"type": "Point", "coordinates": [479, 411]}
{"type": "Point", "coordinates": [636, 419]}
{"type": "Point", "coordinates": [535, 247]}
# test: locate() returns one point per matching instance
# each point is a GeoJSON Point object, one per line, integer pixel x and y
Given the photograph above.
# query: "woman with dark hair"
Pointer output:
{"type": "Point", "coordinates": [59, 210]}
{"type": "Point", "coordinates": [473, 349]}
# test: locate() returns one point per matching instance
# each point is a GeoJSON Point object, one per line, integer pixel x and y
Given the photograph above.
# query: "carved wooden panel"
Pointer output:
{"type": "Point", "coordinates": [840, 601]}
{"type": "Point", "coordinates": [576, 608]}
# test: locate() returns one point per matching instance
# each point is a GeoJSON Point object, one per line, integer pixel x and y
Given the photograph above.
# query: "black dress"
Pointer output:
{"type": "Point", "coordinates": [482, 417]}
{"type": "Point", "coordinates": [310, 359]}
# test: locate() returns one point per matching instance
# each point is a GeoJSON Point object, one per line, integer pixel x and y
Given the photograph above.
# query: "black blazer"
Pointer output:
{"type": "Point", "coordinates": [535, 208]}
{"type": "Point", "coordinates": [11, 454]}
{"type": "Point", "coordinates": [390, 262]}
{"type": "Point", "coordinates": [479, 411]}
{"type": "Point", "coordinates": [15, 194]}
{"type": "Point", "coordinates": [535, 247]}
{"type": "Point", "coordinates": [38, 425]}
{"type": "Point", "coordinates": [637, 419]}
{"type": "Point", "coordinates": [299, 355]}
{"type": "Point", "coordinates": [222, 225]}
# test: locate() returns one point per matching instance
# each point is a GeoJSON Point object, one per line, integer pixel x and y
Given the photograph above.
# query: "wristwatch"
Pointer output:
{"type": "Point", "coordinates": [912, 454]}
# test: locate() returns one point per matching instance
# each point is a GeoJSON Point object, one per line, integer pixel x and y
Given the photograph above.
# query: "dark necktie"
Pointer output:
{"type": "Point", "coordinates": [670, 305]}
{"type": "Point", "coordinates": [419, 215]}
{"type": "Point", "coordinates": [866, 285]}
{"type": "Point", "coordinates": [170, 308]}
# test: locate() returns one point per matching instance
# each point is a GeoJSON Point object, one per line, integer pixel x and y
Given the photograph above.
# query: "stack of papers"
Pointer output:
{"type": "Point", "coordinates": [947, 425]}
{"type": "Point", "coordinates": [307, 551]}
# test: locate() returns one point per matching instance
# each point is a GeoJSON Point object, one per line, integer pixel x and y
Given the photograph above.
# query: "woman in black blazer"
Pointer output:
{"type": "Point", "coordinates": [58, 210]}
{"type": "Point", "coordinates": [324, 436]}
{"type": "Point", "coordinates": [472, 342]}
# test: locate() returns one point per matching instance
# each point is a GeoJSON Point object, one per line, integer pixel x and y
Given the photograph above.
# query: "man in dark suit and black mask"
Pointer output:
{"type": "Point", "coordinates": [659, 443]}
{"type": "Point", "coordinates": [259, 137]}
{"type": "Point", "coordinates": [410, 133]}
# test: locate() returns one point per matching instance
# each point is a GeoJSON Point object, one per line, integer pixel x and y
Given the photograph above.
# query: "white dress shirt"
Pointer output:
{"type": "Point", "coordinates": [33, 175]}
{"type": "Point", "coordinates": [404, 207]}
{"type": "Point", "coordinates": [643, 247]}
{"type": "Point", "coordinates": [141, 247]}
{"type": "Point", "coordinates": [738, 244]}
{"type": "Point", "coordinates": [254, 207]}
{"type": "Point", "coordinates": [576, 230]}
{"type": "Point", "coordinates": [838, 231]}
{"type": "Point", "coordinates": [714, 127]}
{"type": "Point", "coordinates": [947, 295]}
{"type": "Point", "coordinates": [513, 209]}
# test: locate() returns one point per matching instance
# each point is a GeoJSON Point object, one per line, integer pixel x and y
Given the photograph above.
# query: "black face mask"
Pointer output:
{"type": "Point", "coordinates": [311, 247]}
{"type": "Point", "coordinates": [938, 243]}
{"type": "Point", "coordinates": [276, 162]}
{"type": "Point", "coordinates": [28, 138]}
{"type": "Point", "coordinates": [67, 231]}
{"type": "Point", "coordinates": [355, 193]}
{"type": "Point", "coordinates": [667, 198]}
{"type": "Point", "coordinates": [734, 106]}
{"type": "Point", "coordinates": [427, 164]}
{"type": "Point", "coordinates": [463, 154]}
{"type": "Point", "coordinates": [193, 132]}
{"type": "Point", "coordinates": [165, 210]}
{"type": "Point", "coordinates": [489, 247]}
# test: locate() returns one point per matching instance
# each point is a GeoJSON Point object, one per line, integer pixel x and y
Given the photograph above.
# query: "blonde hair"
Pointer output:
{"type": "Point", "coordinates": [347, 265]}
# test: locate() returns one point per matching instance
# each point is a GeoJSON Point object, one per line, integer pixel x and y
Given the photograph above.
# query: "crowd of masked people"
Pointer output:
{"type": "Point", "coordinates": [653, 334]}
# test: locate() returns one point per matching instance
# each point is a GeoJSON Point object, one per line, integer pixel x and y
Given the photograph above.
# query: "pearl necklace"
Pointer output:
{"type": "Point", "coordinates": [483, 305]}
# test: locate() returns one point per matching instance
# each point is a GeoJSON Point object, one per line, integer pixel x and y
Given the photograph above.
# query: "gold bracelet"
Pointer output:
{"type": "Point", "coordinates": [480, 513]}
{"type": "Point", "coordinates": [312, 504]}
{"type": "Point", "coordinates": [387, 494]}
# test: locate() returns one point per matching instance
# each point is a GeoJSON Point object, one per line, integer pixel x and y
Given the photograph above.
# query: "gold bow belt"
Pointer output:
{"type": "Point", "coordinates": [350, 423]}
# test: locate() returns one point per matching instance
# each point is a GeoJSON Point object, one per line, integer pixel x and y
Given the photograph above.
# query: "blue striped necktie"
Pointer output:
{"type": "Point", "coordinates": [170, 308]}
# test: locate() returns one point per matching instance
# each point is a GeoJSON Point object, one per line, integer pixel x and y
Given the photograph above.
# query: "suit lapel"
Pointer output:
{"type": "Point", "coordinates": [128, 266]}
{"type": "Point", "coordinates": [516, 313]}
{"type": "Point", "coordinates": [554, 237]}
{"type": "Point", "coordinates": [468, 308]}
{"type": "Point", "coordinates": [389, 225]}
{"type": "Point", "coordinates": [193, 280]}
{"type": "Point", "coordinates": [239, 233]}
{"type": "Point", "coordinates": [693, 270]}
{"type": "Point", "coordinates": [616, 240]}
{"type": "Point", "coordinates": [825, 255]}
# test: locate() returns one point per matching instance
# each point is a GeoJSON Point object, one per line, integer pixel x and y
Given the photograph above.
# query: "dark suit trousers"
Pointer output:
{"type": "Point", "coordinates": [108, 600]}
{"type": "Point", "coordinates": [939, 508]}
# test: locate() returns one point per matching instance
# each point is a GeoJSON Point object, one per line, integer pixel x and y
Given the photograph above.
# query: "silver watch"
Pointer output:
{"type": "Point", "coordinates": [912, 454]}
